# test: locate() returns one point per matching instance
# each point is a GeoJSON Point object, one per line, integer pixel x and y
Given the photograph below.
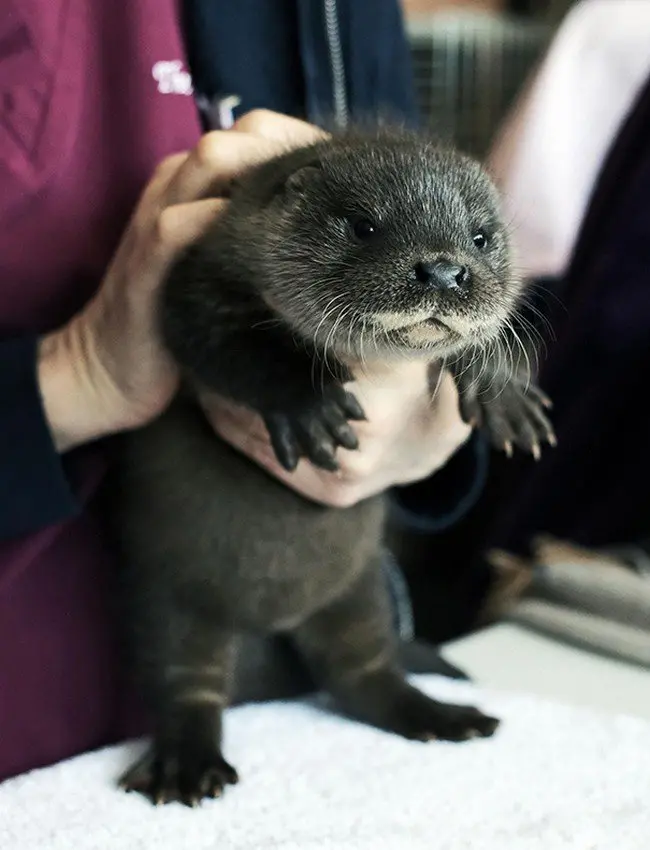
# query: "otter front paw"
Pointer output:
{"type": "Point", "coordinates": [513, 417]}
{"type": "Point", "coordinates": [315, 428]}
{"type": "Point", "coordinates": [186, 777]}
{"type": "Point", "coordinates": [420, 718]}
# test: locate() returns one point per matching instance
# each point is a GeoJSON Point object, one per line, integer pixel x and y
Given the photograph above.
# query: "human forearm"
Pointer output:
{"type": "Point", "coordinates": [80, 403]}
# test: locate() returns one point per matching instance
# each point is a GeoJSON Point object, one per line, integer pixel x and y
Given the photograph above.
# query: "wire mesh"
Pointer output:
{"type": "Point", "coordinates": [468, 69]}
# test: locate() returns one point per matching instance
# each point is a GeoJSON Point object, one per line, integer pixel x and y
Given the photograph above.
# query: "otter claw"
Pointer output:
{"type": "Point", "coordinates": [283, 441]}
{"type": "Point", "coordinates": [352, 408]}
{"type": "Point", "coordinates": [316, 430]}
{"type": "Point", "coordinates": [174, 778]}
{"type": "Point", "coordinates": [514, 417]}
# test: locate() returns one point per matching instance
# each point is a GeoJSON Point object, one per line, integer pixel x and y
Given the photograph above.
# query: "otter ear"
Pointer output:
{"type": "Point", "coordinates": [297, 182]}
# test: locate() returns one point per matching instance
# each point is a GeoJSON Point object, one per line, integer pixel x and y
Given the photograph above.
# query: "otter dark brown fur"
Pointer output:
{"type": "Point", "coordinates": [355, 249]}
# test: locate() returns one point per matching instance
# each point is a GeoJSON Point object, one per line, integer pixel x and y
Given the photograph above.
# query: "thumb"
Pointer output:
{"type": "Point", "coordinates": [182, 224]}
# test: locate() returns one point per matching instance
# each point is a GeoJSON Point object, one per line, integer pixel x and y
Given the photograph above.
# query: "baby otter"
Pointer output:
{"type": "Point", "coordinates": [358, 248]}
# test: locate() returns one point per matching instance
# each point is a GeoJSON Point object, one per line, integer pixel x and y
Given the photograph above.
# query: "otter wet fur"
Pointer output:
{"type": "Point", "coordinates": [359, 248]}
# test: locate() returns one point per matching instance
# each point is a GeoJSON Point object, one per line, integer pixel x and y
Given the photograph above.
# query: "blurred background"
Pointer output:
{"type": "Point", "coordinates": [471, 58]}
{"type": "Point", "coordinates": [554, 96]}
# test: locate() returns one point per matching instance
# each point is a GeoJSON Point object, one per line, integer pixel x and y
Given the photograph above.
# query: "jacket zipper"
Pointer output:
{"type": "Point", "coordinates": [336, 63]}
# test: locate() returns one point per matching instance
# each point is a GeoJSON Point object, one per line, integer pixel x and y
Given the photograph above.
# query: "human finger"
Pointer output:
{"type": "Point", "coordinates": [182, 224]}
{"type": "Point", "coordinates": [293, 132]}
{"type": "Point", "coordinates": [219, 157]}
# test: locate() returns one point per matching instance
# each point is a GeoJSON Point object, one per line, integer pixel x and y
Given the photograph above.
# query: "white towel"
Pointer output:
{"type": "Point", "coordinates": [553, 778]}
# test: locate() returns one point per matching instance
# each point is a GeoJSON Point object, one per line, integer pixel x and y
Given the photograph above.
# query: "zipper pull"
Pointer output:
{"type": "Point", "coordinates": [218, 112]}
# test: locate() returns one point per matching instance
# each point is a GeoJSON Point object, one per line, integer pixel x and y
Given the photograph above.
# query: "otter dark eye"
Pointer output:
{"type": "Point", "coordinates": [363, 228]}
{"type": "Point", "coordinates": [480, 239]}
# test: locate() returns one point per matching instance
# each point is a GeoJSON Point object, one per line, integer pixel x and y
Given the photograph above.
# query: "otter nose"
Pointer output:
{"type": "Point", "coordinates": [443, 275]}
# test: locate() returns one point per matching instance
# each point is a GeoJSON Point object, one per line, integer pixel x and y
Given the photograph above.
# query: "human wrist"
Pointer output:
{"type": "Point", "coordinates": [439, 501]}
{"type": "Point", "coordinates": [79, 403]}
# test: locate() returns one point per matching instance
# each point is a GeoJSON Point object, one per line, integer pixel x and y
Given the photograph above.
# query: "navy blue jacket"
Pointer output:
{"type": "Point", "coordinates": [325, 60]}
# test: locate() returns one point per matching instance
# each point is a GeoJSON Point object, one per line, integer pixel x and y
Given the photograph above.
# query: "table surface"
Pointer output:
{"type": "Point", "coordinates": [510, 657]}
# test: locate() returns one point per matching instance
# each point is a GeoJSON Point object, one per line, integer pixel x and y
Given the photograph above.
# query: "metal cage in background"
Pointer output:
{"type": "Point", "coordinates": [468, 69]}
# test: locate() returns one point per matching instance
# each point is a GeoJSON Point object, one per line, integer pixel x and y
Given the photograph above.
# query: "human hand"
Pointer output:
{"type": "Point", "coordinates": [407, 435]}
{"type": "Point", "coordinates": [106, 370]}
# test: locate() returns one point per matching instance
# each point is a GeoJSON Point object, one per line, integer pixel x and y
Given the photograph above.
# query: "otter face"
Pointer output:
{"type": "Point", "coordinates": [389, 246]}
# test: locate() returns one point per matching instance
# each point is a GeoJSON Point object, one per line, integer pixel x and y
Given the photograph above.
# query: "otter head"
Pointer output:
{"type": "Point", "coordinates": [388, 245]}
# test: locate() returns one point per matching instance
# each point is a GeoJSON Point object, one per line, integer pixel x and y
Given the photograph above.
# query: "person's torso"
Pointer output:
{"type": "Point", "coordinates": [92, 96]}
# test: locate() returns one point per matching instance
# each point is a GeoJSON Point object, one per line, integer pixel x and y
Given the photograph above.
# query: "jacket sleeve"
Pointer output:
{"type": "Point", "coordinates": [440, 501]}
{"type": "Point", "coordinates": [34, 489]}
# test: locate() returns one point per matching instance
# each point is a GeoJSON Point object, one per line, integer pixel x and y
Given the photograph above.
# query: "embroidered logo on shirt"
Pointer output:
{"type": "Point", "coordinates": [172, 78]}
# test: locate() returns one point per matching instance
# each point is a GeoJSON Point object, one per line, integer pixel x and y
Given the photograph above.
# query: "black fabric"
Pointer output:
{"type": "Point", "coordinates": [594, 487]}
{"type": "Point", "coordinates": [277, 56]}
{"type": "Point", "coordinates": [35, 490]}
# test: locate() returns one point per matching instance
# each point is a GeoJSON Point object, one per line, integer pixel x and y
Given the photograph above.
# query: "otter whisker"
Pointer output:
{"type": "Point", "coordinates": [506, 350]}
{"type": "Point", "coordinates": [506, 367]}
{"type": "Point", "coordinates": [540, 286]}
{"type": "Point", "coordinates": [475, 353]}
{"type": "Point", "coordinates": [361, 351]}
{"type": "Point", "coordinates": [332, 335]}
{"type": "Point", "coordinates": [329, 309]}
{"type": "Point", "coordinates": [525, 355]}
{"type": "Point", "coordinates": [484, 366]}
{"type": "Point", "coordinates": [443, 366]}
{"type": "Point", "coordinates": [534, 338]}
{"type": "Point", "coordinates": [542, 320]}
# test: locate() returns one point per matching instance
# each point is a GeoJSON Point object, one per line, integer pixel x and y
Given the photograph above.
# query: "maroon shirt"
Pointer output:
{"type": "Point", "coordinates": [86, 112]}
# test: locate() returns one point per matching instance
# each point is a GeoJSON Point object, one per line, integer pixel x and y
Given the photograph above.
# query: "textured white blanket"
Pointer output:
{"type": "Point", "coordinates": [553, 778]}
